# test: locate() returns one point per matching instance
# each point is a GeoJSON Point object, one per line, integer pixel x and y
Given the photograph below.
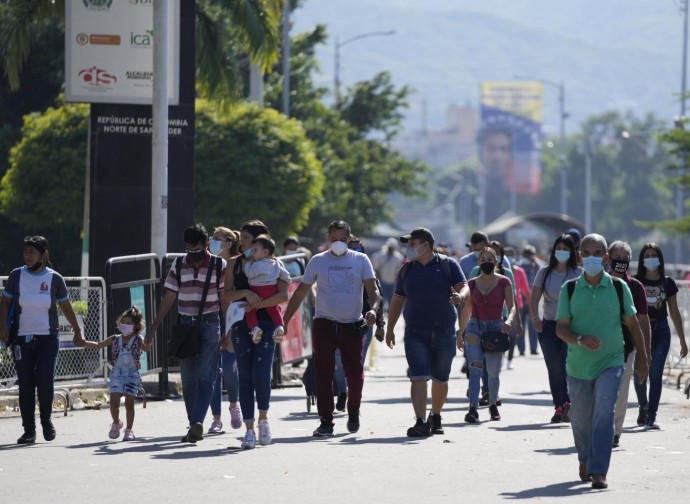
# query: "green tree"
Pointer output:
{"type": "Point", "coordinates": [629, 183]}
{"type": "Point", "coordinates": [254, 162]}
{"type": "Point", "coordinates": [42, 191]}
{"type": "Point", "coordinates": [353, 141]}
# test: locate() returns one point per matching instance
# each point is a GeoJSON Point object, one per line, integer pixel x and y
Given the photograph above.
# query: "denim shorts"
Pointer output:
{"type": "Point", "coordinates": [430, 352]}
{"type": "Point", "coordinates": [125, 382]}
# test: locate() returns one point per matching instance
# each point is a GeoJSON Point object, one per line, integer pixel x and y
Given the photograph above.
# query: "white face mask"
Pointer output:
{"type": "Point", "coordinates": [126, 329]}
{"type": "Point", "coordinates": [338, 248]}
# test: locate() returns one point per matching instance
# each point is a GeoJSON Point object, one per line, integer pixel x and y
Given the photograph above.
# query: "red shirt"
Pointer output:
{"type": "Point", "coordinates": [489, 306]}
{"type": "Point", "coordinates": [521, 284]}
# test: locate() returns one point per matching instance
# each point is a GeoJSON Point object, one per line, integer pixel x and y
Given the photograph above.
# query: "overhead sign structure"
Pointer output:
{"type": "Point", "coordinates": [510, 135]}
{"type": "Point", "coordinates": [109, 51]}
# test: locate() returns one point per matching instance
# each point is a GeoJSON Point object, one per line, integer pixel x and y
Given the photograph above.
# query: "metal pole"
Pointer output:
{"type": "Point", "coordinates": [588, 183]}
{"type": "Point", "coordinates": [678, 252]}
{"type": "Point", "coordinates": [159, 140]}
{"type": "Point", "coordinates": [564, 175]}
{"type": "Point", "coordinates": [286, 59]}
{"type": "Point", "coordinates": [87, 207]}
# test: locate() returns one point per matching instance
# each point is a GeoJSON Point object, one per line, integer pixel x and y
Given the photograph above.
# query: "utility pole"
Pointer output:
{"type": "Point", "coordinates": [286, 58]}
{"type": "Point", "coordinates": [678, 252]}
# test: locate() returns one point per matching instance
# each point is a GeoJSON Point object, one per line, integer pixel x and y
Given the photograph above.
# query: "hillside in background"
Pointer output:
{"type": "Point", "coordinates": [618, 54]}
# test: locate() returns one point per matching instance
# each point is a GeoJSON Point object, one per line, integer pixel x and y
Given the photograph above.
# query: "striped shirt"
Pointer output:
{"type": "Point", "coordinates": [192, 280]}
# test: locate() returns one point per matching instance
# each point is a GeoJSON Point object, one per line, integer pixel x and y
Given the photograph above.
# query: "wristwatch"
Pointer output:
{"type": "Point", "coordinates": [579, 339]}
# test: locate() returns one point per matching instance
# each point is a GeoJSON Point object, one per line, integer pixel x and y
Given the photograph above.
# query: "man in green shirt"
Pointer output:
{"type": "Point", "coordinates": [589, 321]}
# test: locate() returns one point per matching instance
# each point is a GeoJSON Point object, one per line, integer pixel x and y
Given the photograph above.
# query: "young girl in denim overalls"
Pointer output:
{"type": "Point", "coordinates": [126, 359]}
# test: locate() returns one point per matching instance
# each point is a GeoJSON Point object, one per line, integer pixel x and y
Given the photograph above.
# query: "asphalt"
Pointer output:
{"type": "Point", "coordinates": [521, 457]}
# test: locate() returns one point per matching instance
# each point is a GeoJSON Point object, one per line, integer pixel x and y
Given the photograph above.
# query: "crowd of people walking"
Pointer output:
{"type": "Point", "coordinates": [596, 326]}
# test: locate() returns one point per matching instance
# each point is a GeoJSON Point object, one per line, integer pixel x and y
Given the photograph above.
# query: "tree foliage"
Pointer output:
{"type": "Point", "coordinates": [352, 140]}
{"type": "Point", "coordinates": [253, 162]}
{"type": "Point", "coordinates": [44, 185]}
{"type": "Point", "coordinates": [677, 140]}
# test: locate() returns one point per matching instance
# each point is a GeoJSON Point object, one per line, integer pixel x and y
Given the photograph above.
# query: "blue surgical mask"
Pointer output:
{"type": "Point", "coordinates": [562, 256]}
{"type": "Point", "coordinates": [652, 263]}
{"type": "Point", "coordinates": [412, 253]}
{"type": "Point", "coordinates": [592, 265]}
{"type": "Point", "coordinates": [215, 246]}
{"type": "Point", "coordinates": [248, 253]}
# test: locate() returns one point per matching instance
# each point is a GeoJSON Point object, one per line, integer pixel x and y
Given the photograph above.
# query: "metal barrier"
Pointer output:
{"type": "Point", "coordinates": [674, 364]}
{"type": "Point", "coordinates": [87, 296]}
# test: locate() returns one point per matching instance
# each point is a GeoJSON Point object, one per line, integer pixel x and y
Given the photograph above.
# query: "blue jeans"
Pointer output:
{"type": "Point", "coordinates": [592, 415]}
{"type": "Point", "coordinates": [199, 373]}
{"type": "Point", "coordinates": [367, 341]}
{"type": "Point", "coordinates": [555, 351]}
{"type": "Point", "coordinates": [339, 373]}
{"type": "Point", "coordinates": [35, 362]}
{"type": "Point", "coordinates": [226, 376]}
{"type": "Point", "coordinates": [490, 361]}
{"type": "Point", "coordinates": [529, 332]}
{"type": "Point", "coordinates": [661, 343]}
{"type": "Point", "coordinates": [387, 290]}
{"type": "Point", "coordinates": [430, 352]}
{"type": "Point", "coordinates": [254, 363]}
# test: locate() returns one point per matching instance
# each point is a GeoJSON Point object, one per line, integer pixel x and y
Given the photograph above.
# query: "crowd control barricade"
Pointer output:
{"type": "Point", "coordinates": [297, 343]}
{"type": "Point", "coordinates": [675, 365]}
{"type": "Point", "coordinates": [135, 280]}
{"type": "Point", "coordinates": [87, 296]}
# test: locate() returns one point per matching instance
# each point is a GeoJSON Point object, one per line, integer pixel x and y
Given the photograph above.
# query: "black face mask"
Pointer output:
{"type": "Point", "coordinates": [620, 265]}
{"type": "Point", "coordinates": [196, 255]}
{"type": "Point", "coordinates": [36, 266]}
{"type": "Point", "coordinates": [486, 267]}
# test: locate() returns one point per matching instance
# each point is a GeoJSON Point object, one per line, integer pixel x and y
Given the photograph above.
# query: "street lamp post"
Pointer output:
{"type": "Point", "coordinates": [563, 115]}
{"type": "Point", "coordinates": [338, 45]}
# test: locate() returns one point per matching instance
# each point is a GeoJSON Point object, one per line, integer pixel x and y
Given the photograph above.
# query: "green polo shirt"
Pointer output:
{"type": "Point", "coordinates": [595, 311]}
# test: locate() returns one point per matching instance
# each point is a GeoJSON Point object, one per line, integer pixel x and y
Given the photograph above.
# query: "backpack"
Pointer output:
{"type": "Point", "coordinates": [443, 260]}
{"type": "Point", "coordinates": [629, 346]}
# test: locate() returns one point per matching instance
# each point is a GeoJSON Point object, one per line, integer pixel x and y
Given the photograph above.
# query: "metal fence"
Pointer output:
{"type": "Point", "coordinates": [674, 364]}
{"type": "Point", "coordinates": [87, 296]}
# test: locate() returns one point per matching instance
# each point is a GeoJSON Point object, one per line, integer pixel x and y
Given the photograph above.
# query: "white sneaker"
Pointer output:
{"type": "Point", "coordinates": [216, 427]}
{"type": "Point", "coordinates": [249, 441]}
{"type": "Point", "coordinates": [264, 433]}
{"type": "Point", "coordinates": [256, 335]}
{"type": "Point", "coordinates": [509, 365]}
{"type": "Point", "coordinates": [278, 334]}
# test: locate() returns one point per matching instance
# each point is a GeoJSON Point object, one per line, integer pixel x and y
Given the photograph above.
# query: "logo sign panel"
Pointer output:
{"type": "Point", "coordinates": [109, 51]}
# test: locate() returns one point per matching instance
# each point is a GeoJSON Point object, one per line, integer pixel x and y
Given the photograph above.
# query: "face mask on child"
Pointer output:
{"type": "Point", "coordinates": [126, 329]}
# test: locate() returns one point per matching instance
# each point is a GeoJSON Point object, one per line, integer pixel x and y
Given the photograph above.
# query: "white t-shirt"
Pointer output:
{"type": "Point", "coordinates": [339, 284]}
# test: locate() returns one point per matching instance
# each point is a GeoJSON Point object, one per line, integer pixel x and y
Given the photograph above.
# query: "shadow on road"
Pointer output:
{"type": "Point", "coordinates": [565, 489]}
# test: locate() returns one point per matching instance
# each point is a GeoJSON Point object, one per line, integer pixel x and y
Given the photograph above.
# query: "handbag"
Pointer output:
{"type": "Point", "coordinates": [183, 342]}
{"type": "Point", "coordinates": [495, 341]}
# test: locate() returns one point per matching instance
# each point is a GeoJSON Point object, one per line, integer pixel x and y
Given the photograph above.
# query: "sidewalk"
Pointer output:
{"type": "Point", "coordinates": [520, 457]}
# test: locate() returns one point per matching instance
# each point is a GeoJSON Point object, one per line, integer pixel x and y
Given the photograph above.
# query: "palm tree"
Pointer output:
{"type": "Point", "coordinates": [229, 32]}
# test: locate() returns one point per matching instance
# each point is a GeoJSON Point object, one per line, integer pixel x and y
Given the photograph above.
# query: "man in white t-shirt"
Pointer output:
{"type": "Point", "coordinates": [386, 264]}
{"type": "Point", "coordinates": [340, 275]}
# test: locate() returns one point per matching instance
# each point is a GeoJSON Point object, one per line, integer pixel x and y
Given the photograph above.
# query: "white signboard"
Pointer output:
{"type": "Point", "coordinates": [66, 333]}
{"type": "Point", "coordinates": [109, 51]}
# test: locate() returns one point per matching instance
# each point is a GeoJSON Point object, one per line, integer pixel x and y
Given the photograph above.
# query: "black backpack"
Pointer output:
{"type": "Point", "coordinates": [629, 346]}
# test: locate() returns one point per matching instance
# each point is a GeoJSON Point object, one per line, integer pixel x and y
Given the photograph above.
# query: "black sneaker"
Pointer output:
{"type": "Point", "coordinates": [48, 430]}
{"type": "Point", "coordinates": [342, 400]}
{"type": "Point", "coordinates": [434, 422]}
{"type": "Point", "coordinates": [195, 433]}
{"type": "Point", "coordinates": [324, 430]}
{"type": "Point", "coordinates": [616, 441]}
{"type": "Point", "coordinates": [484, 401]}
{"type": "Point", "coordinates": [353, 421]}
{"type": "Point", "coordinates": [493, 411]}
{"type": "Point", "coordinates": [566, 410]}
{"type": "Point", "coordinates": [29, 437]}
{"type": "Point", "coordinates": [557, 415]}
{"type": "Point", "coordinates": [419, 429]}
{"type": "Point", "coordinates": [642, 416]}
{"type": "Point", "coordinates": [472, 415]}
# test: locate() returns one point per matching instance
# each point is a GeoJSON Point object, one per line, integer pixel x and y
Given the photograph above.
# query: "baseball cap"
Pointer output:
{"type": "Point", "coordinates": [577, 237]}
{"type": "Point", "coordinates": [419, 233]}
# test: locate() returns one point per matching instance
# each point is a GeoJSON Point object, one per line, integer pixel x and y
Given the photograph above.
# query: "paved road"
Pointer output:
{"type": "Point", "coordinates": [521, 457]}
